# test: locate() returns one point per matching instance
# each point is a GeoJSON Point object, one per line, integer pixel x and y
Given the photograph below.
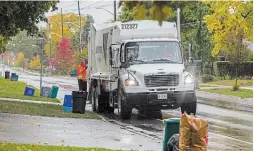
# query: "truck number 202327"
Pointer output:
{"type": "Point", "coordinates": [129, 26]}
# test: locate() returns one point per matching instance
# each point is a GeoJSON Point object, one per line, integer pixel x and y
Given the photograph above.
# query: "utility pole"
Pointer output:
{"type": "Point", "coordinates": [62, 21]}
{"type": "Point", "coordinates": [114, 10]}
{"type": "Point", "coordinates": [200, 36]}
{"type": "Point", "coordinates": [50, 47]}
{"type": "Point", "coordinates": [80, 30]}
{"type": "Point", "coordinates": [41, 66]}
{"type": "Point", "coordinates": [178, 24]}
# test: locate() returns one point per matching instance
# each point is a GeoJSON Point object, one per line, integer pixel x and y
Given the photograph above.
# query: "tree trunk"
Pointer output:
{"type": "Point", "coordinates": [236, 78]}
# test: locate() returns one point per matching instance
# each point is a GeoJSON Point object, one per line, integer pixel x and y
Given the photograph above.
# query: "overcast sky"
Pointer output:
{"type": "Point", "coordinates": [87, 7]}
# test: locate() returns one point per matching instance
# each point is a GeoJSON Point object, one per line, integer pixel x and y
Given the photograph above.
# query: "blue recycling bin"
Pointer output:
{"type": "Point", "coordinates": [67, 105]}
{"type": "Point", "coordinates": [67, 108]}
{"type": "Point", "coordinates": [67, 100]}
{"type": "Point", "coordinates": [75, 73]}
{"type": "Point", "coordinates": [29, 91]}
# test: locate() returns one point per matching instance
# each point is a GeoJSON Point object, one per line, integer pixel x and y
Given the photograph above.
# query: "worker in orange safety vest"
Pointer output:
{"type": "Point", "coordinates": [81, 70]}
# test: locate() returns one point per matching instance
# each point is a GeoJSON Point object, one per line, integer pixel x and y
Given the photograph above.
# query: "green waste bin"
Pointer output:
{"type": "Point", "coordinates": [54, 91]}
{"type": "Point", "coordinates": [171, 127]}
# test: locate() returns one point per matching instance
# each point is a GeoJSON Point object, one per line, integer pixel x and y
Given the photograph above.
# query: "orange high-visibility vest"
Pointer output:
{"type": "Point", "coordinates": [81, 72]}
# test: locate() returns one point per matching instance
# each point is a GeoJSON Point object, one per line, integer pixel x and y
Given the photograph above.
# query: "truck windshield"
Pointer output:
{"type": "Point", "coordinates": [153, 51]}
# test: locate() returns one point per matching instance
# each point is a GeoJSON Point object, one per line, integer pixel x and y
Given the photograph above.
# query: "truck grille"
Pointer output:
{"type": "Point", "coordinates": [161, 80]}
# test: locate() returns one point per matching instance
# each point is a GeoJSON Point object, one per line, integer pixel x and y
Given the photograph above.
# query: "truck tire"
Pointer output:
{"type": "Point", "coordinates": [190, 107]}
{"type": "Point", "coordinates": [142, 114]}
{"type": "Point", "coordinates": [108, 101]}
{"type": "Point", "coordinates": [93, 100]}
{"type": "Point", "coordinates": [124, 110]}
{"type": "Point", "coordinates": [110, 110]}
{"type": "Point", "coordinates": [97, 103]}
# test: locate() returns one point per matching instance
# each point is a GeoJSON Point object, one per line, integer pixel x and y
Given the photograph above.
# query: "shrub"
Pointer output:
{"type": "Point", "coordinates": [207, 65]}
{"type": "Point", "coordinates": [224, 68]}
{"type": "Point", "coordinates": [216, 78]}
{"type": "Point", "coordinates": [207, 78]}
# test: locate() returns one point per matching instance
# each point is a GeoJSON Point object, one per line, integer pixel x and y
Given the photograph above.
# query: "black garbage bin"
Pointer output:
{"type": "Point", "coordinates": [7, 75]}
{"type": "Point", "coordinates": [79, 101]}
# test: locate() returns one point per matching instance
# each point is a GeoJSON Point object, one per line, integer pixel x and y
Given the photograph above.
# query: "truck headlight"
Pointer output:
{"type": "Point", "coordinates": [130, 82]}
{"type": "Point", "coordinates": [188, 79]}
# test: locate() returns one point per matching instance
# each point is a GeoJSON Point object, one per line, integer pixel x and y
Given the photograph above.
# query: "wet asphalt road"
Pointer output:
{"type": "Point", "coordinates": [228, 129]}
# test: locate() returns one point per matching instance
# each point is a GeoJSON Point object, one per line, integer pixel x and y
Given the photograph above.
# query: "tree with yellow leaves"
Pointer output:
{"type": "Point", "coordinates": [20, 60]}
{"type": "Point", "coordinates": [70, 26]}
{"type": "Point", "coordinates": [155, 10]}
{"type": "Point", "coordinates": [231, 24]}
{"type": "Point", "coordinates": [35, 64]}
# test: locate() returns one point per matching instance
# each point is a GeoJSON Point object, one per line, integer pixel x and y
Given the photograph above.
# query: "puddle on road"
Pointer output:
{"type": "Point", "coordinates": [229, 139]}
{"type": "Point", "coordinates": [232, 132]}
{"type": "Point", "coordinates": [227, 119]}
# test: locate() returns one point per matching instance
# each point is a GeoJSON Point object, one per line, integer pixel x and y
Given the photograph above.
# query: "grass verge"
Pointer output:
{"type": "Point", "coordinates": [242, 93]}
{"type": "Point", "coordinates": [15, 89]}
{"type": "Point", "coordinates": [232, 82]}
{"type": "Point", "coordinates": [205, 85]}
{"type": "Point", "coordinates": [34, 147]}
{"type": "Point", "coordinates": [49, 110]}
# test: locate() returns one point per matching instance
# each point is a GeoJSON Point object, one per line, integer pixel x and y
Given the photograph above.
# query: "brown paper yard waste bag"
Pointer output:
{"type": "Point", "coordinates": [193, 133]}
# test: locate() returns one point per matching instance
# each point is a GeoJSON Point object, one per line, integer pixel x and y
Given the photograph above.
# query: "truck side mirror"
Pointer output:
{"type": "Point", "coordinates": [122, 54]}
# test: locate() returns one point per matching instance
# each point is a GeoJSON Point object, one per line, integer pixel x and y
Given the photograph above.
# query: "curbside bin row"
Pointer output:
{"type": "Point", "coordinates": [46, 91]}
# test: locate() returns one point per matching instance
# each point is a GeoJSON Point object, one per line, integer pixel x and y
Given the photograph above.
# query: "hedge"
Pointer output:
{"type": "Point", "coordinates": [223, 68]}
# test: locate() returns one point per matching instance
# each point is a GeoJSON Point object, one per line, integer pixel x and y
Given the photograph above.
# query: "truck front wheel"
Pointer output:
{"type": "Point", "coordinates": [190, 107]}
{"type": "Point", "coordinates": [124, 110]}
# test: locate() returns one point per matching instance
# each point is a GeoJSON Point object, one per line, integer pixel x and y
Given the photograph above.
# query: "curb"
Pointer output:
{"type": "Point", "coordinates": [29, 72]}
{"type": "Point", "coordinates": [28, 101]}
{"type": "Point", "coordinates": [225, 104]}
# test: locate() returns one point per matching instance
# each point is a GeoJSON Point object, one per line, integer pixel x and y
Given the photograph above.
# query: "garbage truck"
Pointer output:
{"type": "Point", "coordinates": [138, 64]}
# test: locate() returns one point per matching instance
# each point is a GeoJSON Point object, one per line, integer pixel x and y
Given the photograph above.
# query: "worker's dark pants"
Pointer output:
{"type": "Point", "coordinates": [82, 85]}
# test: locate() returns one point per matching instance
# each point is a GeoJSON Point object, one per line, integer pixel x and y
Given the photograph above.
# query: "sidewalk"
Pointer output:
{"type": "Point", "coordinates": [225, 101]}
{"type": "Point", "coordinates": [72, 132]}
{"type": "Point", "coordinates": [79, 132]}
{"type": "Point", "coordinates": [26, 71]}
{"type": "Point", "coordinates": [212, 86]}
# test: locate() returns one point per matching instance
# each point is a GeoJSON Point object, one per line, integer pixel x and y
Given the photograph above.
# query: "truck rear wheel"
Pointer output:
{"type": "Point", "coordinates": [97, 104]}
{"type": "Point", "coordinates": [110, 109]}
{"type": "Point", "coordinates": [124, 110]}
{"type": "Point", "coordinates": [190, 107]}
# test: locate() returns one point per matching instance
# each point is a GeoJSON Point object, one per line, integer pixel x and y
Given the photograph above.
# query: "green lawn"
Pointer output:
{"type": "Point", "coordinates": [15, 89]}
{"type": "Point", "coordinates": [232, 82]}
{"type": "Point", "coordinates": [243, 93]}
{"type": "Point", "coordinates": [49, 110]}
{"type": "Point", "coordinates": [35, 147]}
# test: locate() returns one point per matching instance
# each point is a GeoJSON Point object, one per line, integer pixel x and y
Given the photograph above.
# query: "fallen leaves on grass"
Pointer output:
{"type": "Point", "coordinates": [3, 144]}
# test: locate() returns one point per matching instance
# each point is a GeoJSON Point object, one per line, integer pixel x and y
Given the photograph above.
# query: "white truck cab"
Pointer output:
{"type": "Point", "coordinates": [140, 65]}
